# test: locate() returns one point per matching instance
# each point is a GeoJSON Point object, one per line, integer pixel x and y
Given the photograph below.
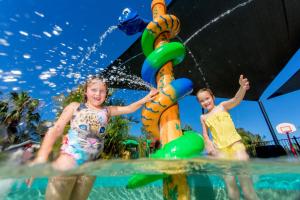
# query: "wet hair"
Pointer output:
{"type": "Point", "coordinates": [205, 90]}
{"type": "Point", "coordinates": [92, 79]}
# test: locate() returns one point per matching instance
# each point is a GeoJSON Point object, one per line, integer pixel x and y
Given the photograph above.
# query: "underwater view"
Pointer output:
{"type": "Point", "coordinates": [273, 179]}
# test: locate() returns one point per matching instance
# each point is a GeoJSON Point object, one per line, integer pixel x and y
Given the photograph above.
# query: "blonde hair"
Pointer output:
{"type": "Point", "coordinates": [91, 80]}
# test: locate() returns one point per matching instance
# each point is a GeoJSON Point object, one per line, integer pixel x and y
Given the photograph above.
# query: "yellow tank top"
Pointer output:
{"type": "Point", "coordinates": [222, 129]}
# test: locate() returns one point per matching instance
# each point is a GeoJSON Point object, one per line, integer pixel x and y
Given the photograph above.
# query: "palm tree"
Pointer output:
{"type": "Point", "coordinates": [32, 117]}
{"type": "Point", "coordinates": [3, 110]}
{"type": "Point", "coordinates": [21, 108]}
{"type": "Point", "coordinates": [117, 132]}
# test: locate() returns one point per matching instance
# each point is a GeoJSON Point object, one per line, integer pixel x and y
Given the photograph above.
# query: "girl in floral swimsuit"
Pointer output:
{"type": "Point", "coordinates": [85, 139]}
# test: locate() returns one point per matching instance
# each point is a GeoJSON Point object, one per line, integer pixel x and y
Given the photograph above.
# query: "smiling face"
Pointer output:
{"type": "Point", "coordinates": [206, 99]}
{"type": "Point", "coordinates": [96, 91]}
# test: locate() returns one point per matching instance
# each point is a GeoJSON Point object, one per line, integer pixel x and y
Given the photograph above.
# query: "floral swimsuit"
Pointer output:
{"type": "Point", "coordinates": [85, 139]}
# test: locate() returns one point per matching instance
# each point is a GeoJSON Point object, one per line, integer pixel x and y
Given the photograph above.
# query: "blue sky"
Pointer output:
{"type": "Point", "coordinates": [48, 47]}
{"type": "Point", "coordinates": [44, 45]}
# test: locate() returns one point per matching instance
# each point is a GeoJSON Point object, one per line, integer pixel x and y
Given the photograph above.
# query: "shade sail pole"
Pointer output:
{"type": "Point", "coordinates": [266, 117]}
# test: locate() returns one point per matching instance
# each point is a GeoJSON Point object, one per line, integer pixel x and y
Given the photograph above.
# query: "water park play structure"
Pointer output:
{"type": "Point", "coordinates": [219, 37]}
{"type": "Point", "coordinates": [160, 117]}
{"type": "Point", "coordinates": [225, 48]}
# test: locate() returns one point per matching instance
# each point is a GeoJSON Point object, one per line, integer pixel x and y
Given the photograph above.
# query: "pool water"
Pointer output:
{"type": "Point", "coordinates": [273, 179]}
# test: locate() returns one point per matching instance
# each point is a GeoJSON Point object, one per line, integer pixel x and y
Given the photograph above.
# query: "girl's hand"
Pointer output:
{"type": "Point", "coordinates": [38, 160]}
{"type": "Point", "coordinates": [151, 95]}
{"type": "Point", "coordinates": [244, 83]}
{"type": "Point", "coordinates": [209, 146]}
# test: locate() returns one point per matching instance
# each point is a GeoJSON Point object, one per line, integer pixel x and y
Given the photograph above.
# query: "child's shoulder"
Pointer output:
{"type": "Point", "coordinates": [220, 107]}
{"type": "Point", "coordinates": [70, 108]}
{"type": "Point", "coordinates": [203, 117]}
{"type": "Point", "coordinates": [73, 105]}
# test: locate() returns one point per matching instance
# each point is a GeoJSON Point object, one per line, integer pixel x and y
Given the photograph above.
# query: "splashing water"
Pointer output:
{"type": "Point", "coordinates": [120, 75]}
{"type": "Point", "coordinates": [217, 19]}
{"type": "Point", "coordinates": [196, 63]}
{"type": "Point", "coordinates": [129, 59]}
{"type": "Point", "coordinates": [132, 80]}
{"type": "Point", "coordinates": [95, 46]}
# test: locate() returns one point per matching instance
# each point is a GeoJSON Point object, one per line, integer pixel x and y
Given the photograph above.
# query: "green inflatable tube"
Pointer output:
{"type": "Point", "coordinates": [176, 149]}
{"type": "Point", "coordinates": [148, 39]}
{"type": "Point", "coordinates": [173, 51]}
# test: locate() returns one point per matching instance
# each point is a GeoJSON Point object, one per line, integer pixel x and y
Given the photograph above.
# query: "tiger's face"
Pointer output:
{"type": "Point", "coordinates": [91, 123]}
{"type": "Point", "coordinates": [90, 143]}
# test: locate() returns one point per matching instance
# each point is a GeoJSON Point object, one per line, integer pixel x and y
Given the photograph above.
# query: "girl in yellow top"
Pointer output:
{"type": "Point", "coordinates": [226, 142]}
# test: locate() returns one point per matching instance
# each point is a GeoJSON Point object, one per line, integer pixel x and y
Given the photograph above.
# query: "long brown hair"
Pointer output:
{"type": "Point", "coordinates": [90, 80]}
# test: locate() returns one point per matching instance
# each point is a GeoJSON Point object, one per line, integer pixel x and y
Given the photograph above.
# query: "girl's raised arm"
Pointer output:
{"type": "Point", "coordinates": [239, 96]}
{"type": "Point", "coordinates": [120, 110]}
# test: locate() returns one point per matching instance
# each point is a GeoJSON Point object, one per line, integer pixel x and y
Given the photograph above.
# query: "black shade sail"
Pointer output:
{"type": "Point", "coordinates": [255, 38]}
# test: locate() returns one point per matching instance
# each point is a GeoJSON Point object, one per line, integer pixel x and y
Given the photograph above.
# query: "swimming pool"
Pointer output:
{"type": "Point", "coordinates": [273, 179]}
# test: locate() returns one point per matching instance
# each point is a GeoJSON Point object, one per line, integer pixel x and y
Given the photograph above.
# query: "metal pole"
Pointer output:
{"type": "Point", "coordinates": [291, 145]}
{"type": "Point", "coordinates": [262, 108]}
{"type": "Point", "coordinates": [296, 143]}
